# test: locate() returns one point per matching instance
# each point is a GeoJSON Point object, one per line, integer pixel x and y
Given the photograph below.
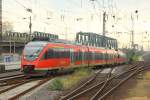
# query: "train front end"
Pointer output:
{"type": "Point", "coordinates": [31, 56]}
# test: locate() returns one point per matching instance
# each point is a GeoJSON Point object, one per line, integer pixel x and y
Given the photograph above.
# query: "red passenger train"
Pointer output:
{"type": "Point", "coordinates": [40, 57]}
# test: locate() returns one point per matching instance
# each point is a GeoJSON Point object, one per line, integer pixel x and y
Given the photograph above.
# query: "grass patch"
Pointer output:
{"type": "Point", "coordinates": [56, 84]}
{"type": "Point", "coordinates": [67, 82]}
{"type": "Point", "coordinates": [135, 57]}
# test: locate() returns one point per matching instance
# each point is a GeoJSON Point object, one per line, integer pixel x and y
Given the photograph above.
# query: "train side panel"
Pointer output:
{"type": "Point", "coordinates": [60, 56]}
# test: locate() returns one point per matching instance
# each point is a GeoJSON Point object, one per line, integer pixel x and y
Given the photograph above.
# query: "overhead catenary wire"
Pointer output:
{"type": "Point", "coordinates": [20, 4]}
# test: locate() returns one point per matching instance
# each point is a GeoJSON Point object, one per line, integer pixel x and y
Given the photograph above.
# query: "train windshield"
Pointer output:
{"type": "Point", "coordinates": [32, 50]}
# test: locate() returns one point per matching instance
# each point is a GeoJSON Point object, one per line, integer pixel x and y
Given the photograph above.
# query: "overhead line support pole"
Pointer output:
{"type": "Point", "coordinates": [104, 23]}
{"type": "Point", "coordinates": [30, 26]}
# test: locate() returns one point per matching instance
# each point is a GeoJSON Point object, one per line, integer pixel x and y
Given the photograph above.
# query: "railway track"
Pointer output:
{"type": "Point", "coordinates": [21, 83]}
{"type": "Point", "coordinates": [101, 89]}
{"type": "Point", "coordinates": [93, 80]}
{"type": "Point", "coordinates": [8, 80]}
{"type": "Point", "coordinates": [11, 77]}
{"type": "Point", "coordinates": [11, 83]}
{"type": "Point", "coordinates": [29, 89]}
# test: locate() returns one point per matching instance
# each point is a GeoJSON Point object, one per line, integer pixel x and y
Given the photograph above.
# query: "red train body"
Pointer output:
{"type": "Point", "coordinates": [40, 57]}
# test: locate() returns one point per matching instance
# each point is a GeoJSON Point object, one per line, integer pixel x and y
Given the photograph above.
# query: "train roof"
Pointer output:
{"type": "Point", "coordinates": [58, 41]}
{"type": "Point", "coordinates": [63, 41]}
{"type": "Point", "coordinates": [37, 43]}
{"type": "Point", "coordinates": [44, 42]}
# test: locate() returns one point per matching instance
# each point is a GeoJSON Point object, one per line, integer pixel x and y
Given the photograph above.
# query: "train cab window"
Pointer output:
{"type": "Point", "coordinates": [32, 52]}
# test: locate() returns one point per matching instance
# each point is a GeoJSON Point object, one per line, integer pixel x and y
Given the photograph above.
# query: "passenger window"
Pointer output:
{"type": "Point", "coordinates": [50, 53]}
{"type": "Point", "coordinates": [56, 53]}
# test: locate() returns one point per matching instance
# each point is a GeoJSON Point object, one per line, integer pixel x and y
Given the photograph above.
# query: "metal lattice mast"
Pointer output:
{"type": "Point", "coordinates": [104, 23]}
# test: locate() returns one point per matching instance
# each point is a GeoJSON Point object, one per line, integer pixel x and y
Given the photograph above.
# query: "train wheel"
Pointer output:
{"type": "Point", "coordinates": [52, 72]}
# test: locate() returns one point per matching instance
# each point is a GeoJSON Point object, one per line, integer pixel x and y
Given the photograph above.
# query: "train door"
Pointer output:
{"type": "Point", "coordinates": [87, 57]}
{"type": "Point", "coordinates": [93, 58]}
{"type": "Point", "coordinates": [72, 56]}
{"type": "Point", "coordinates": [116, 55]}
{"type": "Point", "coordinates": [106, 57]}
{"type": "Point", "coordinates": [83, 58]}
{"type": "Point", "coordinates": [80, 57]}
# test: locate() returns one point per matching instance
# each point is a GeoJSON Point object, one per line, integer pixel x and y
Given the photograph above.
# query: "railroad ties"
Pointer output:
{"type": "Point", "coordinates": [13, 83]}
{"type": "Point", "coordinates": [16, 86]}
{"type": "Point", "coordinates": [97, 88]}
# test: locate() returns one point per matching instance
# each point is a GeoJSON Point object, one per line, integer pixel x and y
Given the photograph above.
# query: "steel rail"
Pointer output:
{"type": "Point", "coordinates": [83, 85]}
{"type": "Point", "coordinates": [124, 80]}
{"type": "Point", "coordinates": [8, 83]}
{"type": "Point", "coordinates": [11, 77]}
{"type": "Point", "coordinates": [30, 89]}
{"type": "Point", "coordinates": [95, 86]}
{"type": "Point", "coordinates": [103, 86]}
{"type": "Point", "coordinates": [14, 86]}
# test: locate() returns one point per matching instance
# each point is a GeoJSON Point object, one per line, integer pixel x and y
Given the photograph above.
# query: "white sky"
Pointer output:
{"type": "Point", "coordinates": [91, 14]}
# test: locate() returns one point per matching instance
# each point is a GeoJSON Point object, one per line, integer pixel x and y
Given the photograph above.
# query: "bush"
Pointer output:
{"type": "Point", "coordinates": [56, 84]}
{"type": "Point", "coordinates": [82, 72]}
{"type": "Point", "coordinates": [132, 55]}
{"type": "Point", "coordinates": [75, 77]}
{"type": "Point", "coordinates": [67, 82]}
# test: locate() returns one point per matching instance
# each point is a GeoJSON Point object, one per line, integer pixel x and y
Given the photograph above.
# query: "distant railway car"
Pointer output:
{"type": "Point", "coordinates": [41, 57]}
